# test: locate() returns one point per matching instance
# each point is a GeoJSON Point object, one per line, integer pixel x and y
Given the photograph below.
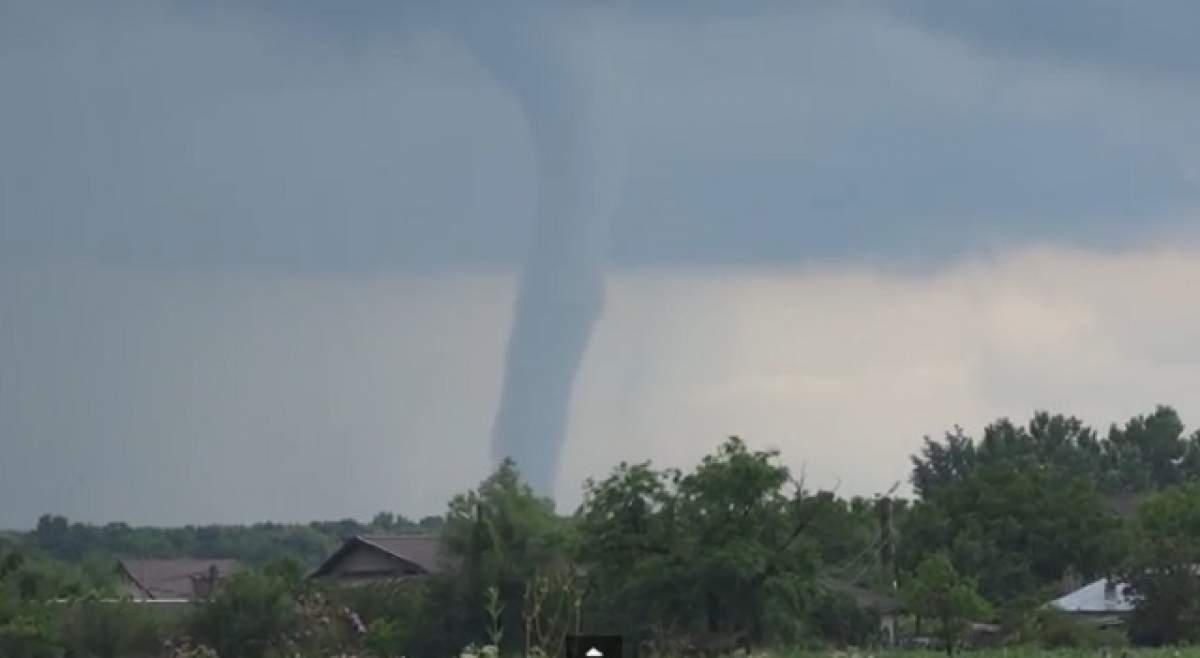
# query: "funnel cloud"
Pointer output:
{"type": "Point", "coordinates": [567, 91]}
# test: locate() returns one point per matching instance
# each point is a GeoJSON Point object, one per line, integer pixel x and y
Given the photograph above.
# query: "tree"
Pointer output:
{"type": "Point", "coordinates": [287, 570]}
{"type": "Point", "coordinates": [742, 528]}
{"type": "Point", "coordinates": [1017, 510]}
{"type": "Point", "coordinates": [503, 534]}
{"type": "Point", "coordinates": [937, 592]}
{"type": "Point", "coordinates": [1162, 573]}
{"type": "Point", "coordinates": [630, 545]}
{"type": "Point", "coordinates": [720, 549]}
{"type": "Point", "coordinates": [431, 523]}
{"type": "Point", "coordinates": [1150, 453]}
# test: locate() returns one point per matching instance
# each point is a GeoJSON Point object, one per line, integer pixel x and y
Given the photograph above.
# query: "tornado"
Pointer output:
{"type": "Point", "coordinates": [549, 58]}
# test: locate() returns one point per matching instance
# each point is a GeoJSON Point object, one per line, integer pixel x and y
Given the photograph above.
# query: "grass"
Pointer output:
{"type": "Point", "coordinates": [1009, 652]}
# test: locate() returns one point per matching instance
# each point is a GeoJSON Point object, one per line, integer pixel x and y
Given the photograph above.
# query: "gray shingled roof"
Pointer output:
{"type": "Point", "coordinates": [422, 553]}
{"type": "Point", "coordinates": [425, 551]}
{"type": "Point", "coordinates": [174, 578]}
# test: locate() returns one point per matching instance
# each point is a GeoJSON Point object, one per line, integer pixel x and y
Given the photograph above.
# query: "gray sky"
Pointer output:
{"type": "Point", "coordinates": [257, 261]}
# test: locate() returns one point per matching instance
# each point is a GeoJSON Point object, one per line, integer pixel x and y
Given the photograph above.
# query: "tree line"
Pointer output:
{"type": "Point", "coordinates": [736, 551]}
{"type": "Point", "coordinates": [57, 537]}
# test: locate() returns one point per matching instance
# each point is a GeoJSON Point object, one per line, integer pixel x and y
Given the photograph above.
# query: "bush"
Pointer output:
{"type": "Point", "coordinates": [384, 639]}
{"type": "Point", "coordinates": [112, 630]}
{"type": "Point", "coordinates": [1055, 630]}
{"type": "Point", "coordinates": [840, 620]}
{"type": "Point", "coordinates": [251, 614]}
{"type": "Point", "coordinates": [396, 615]}
{"type": "Point", "coordinates": [28, 636]}
{"type": "Point", "coordinates": [26, 628]}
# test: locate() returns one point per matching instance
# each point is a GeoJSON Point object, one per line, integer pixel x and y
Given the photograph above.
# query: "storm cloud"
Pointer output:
{"type": "Point", "coordinates": [372, 139]}
{"type": "Point", "coordinates": [229, 233]}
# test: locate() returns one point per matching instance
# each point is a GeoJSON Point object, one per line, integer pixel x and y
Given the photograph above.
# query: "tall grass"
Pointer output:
{"type": "Point", "coordinates": [1009, 652]}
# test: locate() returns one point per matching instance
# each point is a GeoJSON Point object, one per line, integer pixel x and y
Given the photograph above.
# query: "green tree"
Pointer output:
{"type": "Point", "coordinates": [287, 570]}
{"type": "Point", "coordinates": [1162, 573]}
{"type": "Point", "coordinates": [502, 534]}
{"type": "Point", "coordinates": [720, 549]}
{"type": "Point", "coordinates": [1017, 510]}
{"type": "Point", "coordinates": [938, 593]}
{"type": "Point", "coordinates": [631, 545]}
{"type": "Point", "coordinates": [1150, 453]}
{"type": "Point", "coordinates": [743, 525]}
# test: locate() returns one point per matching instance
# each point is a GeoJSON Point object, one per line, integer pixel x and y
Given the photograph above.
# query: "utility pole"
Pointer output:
{"type": "Point", "coordinates": [887, 557]}
{"type": "Point", "coordinates": [887, 541]}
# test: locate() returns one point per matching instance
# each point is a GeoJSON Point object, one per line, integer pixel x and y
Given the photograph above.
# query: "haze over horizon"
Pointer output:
{"type": "Point", "coordinates": [273, 247]}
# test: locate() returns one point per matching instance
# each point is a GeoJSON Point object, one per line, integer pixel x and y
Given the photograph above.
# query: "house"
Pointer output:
{"type": "Point", "coordinates": [377, 558]}
{"type": "Point", "coordinates": [1103, 603]}
{"type": "Point", "coordinates": [175, 581]}
{"type": "Point", "coordinates": [887, 607]}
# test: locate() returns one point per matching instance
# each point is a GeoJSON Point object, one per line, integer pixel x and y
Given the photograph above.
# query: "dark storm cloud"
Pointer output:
{"type": "Point", "coordinates": [241, 243]}
{"type": "Point", "coordinates": [1155, 39]}
{"type": "Point", "coordinates": [363, 136]}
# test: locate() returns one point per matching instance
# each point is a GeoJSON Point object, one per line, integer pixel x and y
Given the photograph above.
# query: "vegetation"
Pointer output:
{"type": "Point", "coordinates": [251, 614]}
{"type": "Point", "coordinates": [257, 544]}
{"type": "Point", "coordinates": [1164, 569]}
{"type": "Point", "coordinates": [734, 552]}
{"type": "Point", "coordinates": [92, 629]}
{"type": "Point", "coordinates": [938, 593]}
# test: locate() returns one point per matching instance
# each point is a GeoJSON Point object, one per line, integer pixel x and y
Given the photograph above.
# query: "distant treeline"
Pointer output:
{"type": "Point", "coordinates": [256, 544]}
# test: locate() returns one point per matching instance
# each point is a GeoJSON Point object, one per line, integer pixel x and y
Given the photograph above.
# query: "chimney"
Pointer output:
{"type": "Point", "coordinates": [203, 585]}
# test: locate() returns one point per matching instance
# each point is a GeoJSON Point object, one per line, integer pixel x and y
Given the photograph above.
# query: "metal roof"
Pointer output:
{"type": "Point", "coordinates": [1097, 598]}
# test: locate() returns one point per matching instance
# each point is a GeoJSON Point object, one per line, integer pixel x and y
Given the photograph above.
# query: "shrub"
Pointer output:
{"type": "Point", "coordinates": [1055, 630]}
{"type": "Point", "coordinates": [838, 619]}
{"type": "Point", "coordinates": [250, 614]}
{"type": "Point", "coordinates": [397, 617]}
{"type": "Point", "coordinates": [112, 630]}
{"type": "Point", "coordinates": [27, 636]}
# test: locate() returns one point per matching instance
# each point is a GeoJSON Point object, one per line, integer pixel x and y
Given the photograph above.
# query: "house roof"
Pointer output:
{"type": "Point", "coordinates": [865, 598]}
{"type": "Point", "coordinates": [423, 552]}
{"type": "Point", "coordinates": [1097, 597]}
{"type": "Point", "coordinates": [174, 578]}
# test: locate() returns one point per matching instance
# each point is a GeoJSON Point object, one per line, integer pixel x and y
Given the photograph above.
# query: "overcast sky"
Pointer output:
{"type": "Point", "coordinates": [257, 261]}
